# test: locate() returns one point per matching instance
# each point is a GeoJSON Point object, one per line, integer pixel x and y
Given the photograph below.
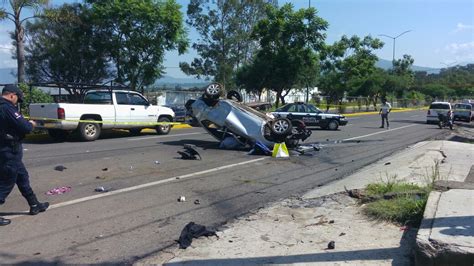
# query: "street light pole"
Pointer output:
{"type": "Point", "coordinates": [394, 38]}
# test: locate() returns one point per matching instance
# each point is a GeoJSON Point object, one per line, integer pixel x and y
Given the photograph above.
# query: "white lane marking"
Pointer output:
{"type": "Point", "coordinates": [167, 136]}
{"type": "Point", "coordinates": [376, 133]}
{"type": "Point", "coordinates": [128, 189]}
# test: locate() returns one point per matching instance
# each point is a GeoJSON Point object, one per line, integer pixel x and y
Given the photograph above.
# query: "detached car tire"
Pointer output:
{"type": "Point", "coordinates": [163, 129]}
{"type": "Point", "coordinates": [89, 131]}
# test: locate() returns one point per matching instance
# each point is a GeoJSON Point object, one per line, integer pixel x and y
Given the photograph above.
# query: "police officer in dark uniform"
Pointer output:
{"type": "Point", "coordinates": [13, 128]}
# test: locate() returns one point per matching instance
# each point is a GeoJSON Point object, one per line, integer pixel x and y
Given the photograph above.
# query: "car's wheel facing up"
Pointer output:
{"type": "Point", "coordinates": [281, 128]}
{"type": "Point", "coordinates": [213, 91]}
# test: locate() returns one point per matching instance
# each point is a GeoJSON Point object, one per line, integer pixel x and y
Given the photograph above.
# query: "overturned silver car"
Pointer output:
{"type": "Point", "coordinates": [228, 118]}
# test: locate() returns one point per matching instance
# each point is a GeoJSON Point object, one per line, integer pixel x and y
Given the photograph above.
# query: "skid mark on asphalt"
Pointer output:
{"type": "Point", "coordinates": [128, 189]}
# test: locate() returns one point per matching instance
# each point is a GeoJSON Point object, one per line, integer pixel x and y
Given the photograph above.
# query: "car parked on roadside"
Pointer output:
{"type": "Point", "coordinates": [228, 118]}
{"type": "Point", "coordinates": [463, 111]}
{"type": "Point", "coordinates": [310, 115]}
{"type": "Point", "coordinates": [435, 108]}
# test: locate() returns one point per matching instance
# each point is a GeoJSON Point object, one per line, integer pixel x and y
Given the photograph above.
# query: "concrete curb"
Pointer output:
{"type": "Point", "coordinates": [445, 238]}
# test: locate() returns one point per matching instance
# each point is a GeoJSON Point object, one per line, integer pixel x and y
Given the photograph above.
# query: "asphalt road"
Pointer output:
{"type": "Point", "coordinates": [141, 214]}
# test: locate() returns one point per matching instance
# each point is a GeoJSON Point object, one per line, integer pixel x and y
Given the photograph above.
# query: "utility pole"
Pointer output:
{"type": "Point", "coordinates": [394, 38]}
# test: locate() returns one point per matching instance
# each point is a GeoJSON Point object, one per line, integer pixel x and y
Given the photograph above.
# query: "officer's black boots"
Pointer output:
{"type": "Point", "coordinates": [4, 221]}
{"type": "Point", "coordinates": [36, 206]}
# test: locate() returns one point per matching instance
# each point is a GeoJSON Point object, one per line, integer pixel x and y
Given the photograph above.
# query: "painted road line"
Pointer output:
{"type": "Point", "coordinates": [376, 133]}
{"type": "Point", "coordinates": [146, 185]}
{"type": "Point", "coordinates": [167, 136]}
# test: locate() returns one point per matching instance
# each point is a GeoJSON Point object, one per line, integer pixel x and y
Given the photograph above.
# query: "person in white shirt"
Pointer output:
{"type": "Point", "coordinates": [384, 111]}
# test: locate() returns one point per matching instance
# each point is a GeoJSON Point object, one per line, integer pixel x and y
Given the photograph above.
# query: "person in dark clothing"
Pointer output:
{"type": "Point", "coordinates": [13, 128]}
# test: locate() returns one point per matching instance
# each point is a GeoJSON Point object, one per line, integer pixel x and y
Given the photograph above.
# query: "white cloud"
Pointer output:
{"type": "Point", "coordinates": [461, 27]}
{"type": "Point", "coordinates": [461, 51]}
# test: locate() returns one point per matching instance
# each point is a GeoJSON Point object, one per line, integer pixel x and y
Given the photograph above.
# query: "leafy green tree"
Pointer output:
{"type": "Point", "coordinates": [17, 7]}
{"type": "Point", "coordinates": [66, 50]}
{"type": "Point", "coordinates": [224, 27]}
{"type": "Point", "coordinates": [139, 33]}
{"type": "Point", "coordinates": [349, 64]}
{"type": "Point", "coordinates": [288, 43]}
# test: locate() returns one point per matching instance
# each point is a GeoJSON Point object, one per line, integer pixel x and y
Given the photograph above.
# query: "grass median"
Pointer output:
{"type": "Point", "coordinates": [398, 202]}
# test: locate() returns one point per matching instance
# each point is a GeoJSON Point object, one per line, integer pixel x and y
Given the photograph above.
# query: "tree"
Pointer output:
{"type": "Point", "coordinates": [17, 7]}
{"type": "Point", "coordinates": [288, 43]}
{"type": "Point", "coordinates": [402, 76]}
{"type": "Point", "coordinates": [139, 33]}
{"type": "Point", "coordinates": [224, 27]}
{"type": "Point", "coordinates": [68, 35]}
{"type": "Point", "coordinates": [349, 64]}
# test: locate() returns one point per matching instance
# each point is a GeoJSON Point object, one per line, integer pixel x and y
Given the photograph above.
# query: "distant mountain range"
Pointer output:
{"type": "Point", "coordinates": [6, 76]}
{"type": "Point", "coordinates": [387, 64]}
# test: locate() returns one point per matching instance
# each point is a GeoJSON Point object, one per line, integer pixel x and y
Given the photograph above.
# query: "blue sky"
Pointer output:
{"type": "Point", "coordinates": [442, 31]}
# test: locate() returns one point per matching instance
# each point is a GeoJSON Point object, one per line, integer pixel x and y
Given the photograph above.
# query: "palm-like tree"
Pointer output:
{"type": "Point", "coordinates": [14, 15]}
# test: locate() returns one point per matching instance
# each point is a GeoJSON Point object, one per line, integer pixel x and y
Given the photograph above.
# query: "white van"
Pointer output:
{"type": "Point", "coordinates": [435, 108]}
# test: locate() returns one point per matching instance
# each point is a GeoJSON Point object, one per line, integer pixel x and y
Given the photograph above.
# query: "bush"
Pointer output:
{"type": "Point", "coordinates": [36, 96]}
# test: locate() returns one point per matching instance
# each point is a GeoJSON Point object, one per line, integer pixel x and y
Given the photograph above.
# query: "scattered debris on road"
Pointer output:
{"type": "Point", "coordinates": [387, 163]}
{"type": "Point", "coordinates": [260, 149]}
{"type": "Point", "coordinates": [331, 245]}
{"type": "Point", "coordinates": [193, 230]}
{"type": "Point", "coordinates": [105, 169]}
{"type": "Point", "coordinates": [102, 189]}
{"type": "Point", "coordinates": [189, 152]}
{"type": "Point", "coordinates": [60, 168]}
{"type": "Point", "coordinates": [58, 190]}
{"type": "Point", "coordinates": [157, 162]}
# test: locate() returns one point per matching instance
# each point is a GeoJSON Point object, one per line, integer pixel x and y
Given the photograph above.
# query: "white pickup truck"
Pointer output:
{"type": "Point", "coordinates": [112, 109]}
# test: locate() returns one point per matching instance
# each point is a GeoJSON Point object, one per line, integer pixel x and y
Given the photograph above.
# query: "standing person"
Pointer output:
{"type": "Point", "coordinates": [13, 128]}
{"type": "Point", "coordinates": [384, 111]}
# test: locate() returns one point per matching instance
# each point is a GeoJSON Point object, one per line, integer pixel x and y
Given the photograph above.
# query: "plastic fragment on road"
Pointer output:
{"type": "Point", "coordinates": [192, 230]}
{"type": "Point", "coordinates": [101, 189]}
{"type": "Point", "coordinates": [189, 153]}
{"type": "Point", "coordinates": [60, 168]}
{"type": "Point", "coordinates": [157, 162]}
{"type": "Point", "coordinates": [58, 190]}
{"type": "Point", "coordinates": [280, 151]}
{"type": "Point", "coordinates": [197, 202]}
{"type": "Point", "coordinates": [182, 199]}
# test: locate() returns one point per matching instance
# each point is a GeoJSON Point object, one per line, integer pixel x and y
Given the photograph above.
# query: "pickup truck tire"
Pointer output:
{"type": "Point", "coordinates": [89, 131]}
{"type": "Point", "coordinates": [163, 129]}
{"type": "Point", "coordinates": [57, 134]}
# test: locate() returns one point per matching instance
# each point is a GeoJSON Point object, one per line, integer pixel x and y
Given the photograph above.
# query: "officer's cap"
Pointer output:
{"type": "Point", "coordinates": [13, 89]}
